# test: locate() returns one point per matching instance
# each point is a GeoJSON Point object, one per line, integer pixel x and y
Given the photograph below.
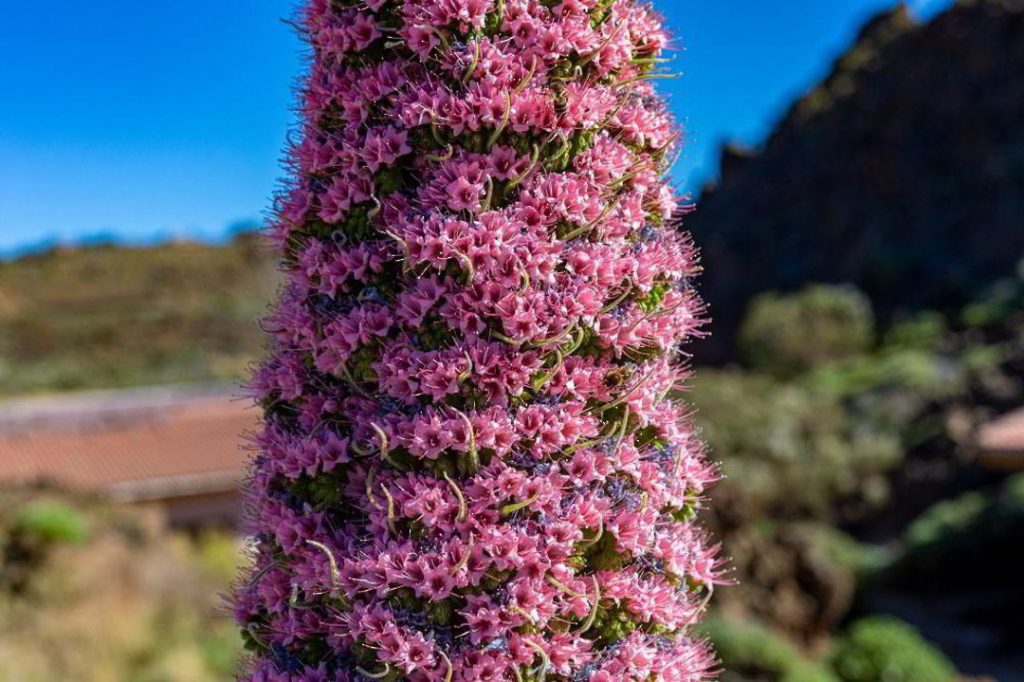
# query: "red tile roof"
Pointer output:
{"type": "Point", "coordinates": [131, 445]}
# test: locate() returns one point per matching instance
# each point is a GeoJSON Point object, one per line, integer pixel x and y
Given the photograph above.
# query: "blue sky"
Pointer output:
{"type": "Point", "coordinates": [146, 120]}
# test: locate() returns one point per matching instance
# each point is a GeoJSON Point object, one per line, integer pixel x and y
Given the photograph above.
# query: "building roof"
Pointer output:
{"type": "Point", "coordinates": [1001, 442]}
{"type": "Point", "coordinates": [138, 444]}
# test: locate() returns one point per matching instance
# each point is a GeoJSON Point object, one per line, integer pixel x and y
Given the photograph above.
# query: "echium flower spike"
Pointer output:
{"type": "Point", "coordinates": [473, 466]}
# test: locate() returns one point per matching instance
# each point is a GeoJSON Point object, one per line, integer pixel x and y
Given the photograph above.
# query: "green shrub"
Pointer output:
{"type": "Point", "coordinates": [789, 450]}
{"type": "Point", "coordinates": [974, 517]}
{"type": "Point", "coordinates": [749, 650]}
{"type": "Point", "coordinates": [1003, 300]}
{"type": "Point", "coordinates": [884, 649]}
{"type": "Point", "coordinates": [911, 375]}
{"type": "Point", "coordinates": [943, 520]}
{"type": "Point", "coordinates": [790, 334]}
{"type": "Point", "coordinates": [795, 458]}
{"type": "Point", "coordinates": [983, 525]}
{"type": "Point", "coordinates": [925, 330]}
{"type": "Point", "coordinates": [51, 521]}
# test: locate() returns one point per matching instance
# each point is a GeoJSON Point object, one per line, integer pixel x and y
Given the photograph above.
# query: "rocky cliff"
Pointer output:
{"type": "Point", "coordinates": [902, 172]}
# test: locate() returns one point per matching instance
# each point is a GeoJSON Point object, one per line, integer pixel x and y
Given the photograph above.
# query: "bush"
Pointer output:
{"type": "Point", "coordinates": [944, 520]}
{"type": "Point", "coordinates": [799, 577]}
{"type": "Point", "coordinates": [51, 521]}
{"type": "Point", "coordinates": [885, 649]}
{"type": "Point", "coordinates": [790, 334]}
{"type": "Point", "coordinates": [985, 527]}
{"type": "Point", "coordinates": [795, 458]}
{"type": "Point", "coordinates": [750, 651]}
{"type": "Point", "coordinates": [1003, 300]}
{"type": "Point", "coordinates": [925, 330]}
{"type": "Point", "coordinates": [788, 450]}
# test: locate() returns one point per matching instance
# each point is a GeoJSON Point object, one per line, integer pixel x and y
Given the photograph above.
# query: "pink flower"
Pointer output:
{"type": "Point", "coordinates": [470, 389]}
{"type": "Point", "coordinates": [463, 195]}
{"type": "Point", "coordinates": [363, 31]}
{"type": "Point", "coordinates": [420, 39]}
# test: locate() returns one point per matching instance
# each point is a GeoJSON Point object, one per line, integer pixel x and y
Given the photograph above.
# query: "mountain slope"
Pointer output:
{"type": "Point", "coordinates": [107, 316]}
{"type": "Point", "coordinates": [902, 172]}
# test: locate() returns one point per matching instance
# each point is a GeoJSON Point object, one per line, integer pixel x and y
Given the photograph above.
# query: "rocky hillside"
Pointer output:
{"type": "Point", "coordinates": [902, 173]}
{"type": "Point", "coordinates": [106, 316]}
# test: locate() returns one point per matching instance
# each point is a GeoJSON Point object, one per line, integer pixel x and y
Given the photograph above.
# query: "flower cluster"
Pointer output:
{"type": "Point", "coordinates": [474, 465]}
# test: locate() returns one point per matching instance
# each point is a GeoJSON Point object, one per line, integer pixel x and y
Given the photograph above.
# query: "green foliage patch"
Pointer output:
{"type": "Point", "coordinates": [749, 650]}
{"type": "Point", "coordinates": [883, 649]}
{"type": "Point", "coordinates": [787, 335]}
{"type": "Point", "coordinates": [50, 521]}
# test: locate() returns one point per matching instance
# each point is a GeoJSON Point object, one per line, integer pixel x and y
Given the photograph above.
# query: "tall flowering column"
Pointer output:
{"type": "Point", "coordinates": [472, 467]}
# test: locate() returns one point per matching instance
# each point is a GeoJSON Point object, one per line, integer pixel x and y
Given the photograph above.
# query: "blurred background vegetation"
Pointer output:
{"type": "Point", "coordinates": [865, 274]}
{"type": "Point", "coordinates": [93, 592]}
